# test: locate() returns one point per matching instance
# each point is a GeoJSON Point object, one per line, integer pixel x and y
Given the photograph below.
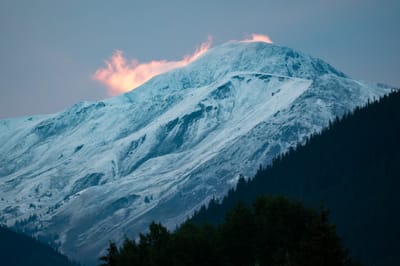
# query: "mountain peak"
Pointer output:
{"type": "Point", "coordinates": [257, 57]}
{"type": "Point", "coordinates": [167, 147]}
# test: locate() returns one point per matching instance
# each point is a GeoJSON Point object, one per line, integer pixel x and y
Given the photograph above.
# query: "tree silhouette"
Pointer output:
{"type": "Point", "coordinates": [273, 231]}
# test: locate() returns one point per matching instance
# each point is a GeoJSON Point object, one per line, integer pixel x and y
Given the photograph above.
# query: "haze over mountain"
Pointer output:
{"type": "Point", "coordinates": [99, 170]}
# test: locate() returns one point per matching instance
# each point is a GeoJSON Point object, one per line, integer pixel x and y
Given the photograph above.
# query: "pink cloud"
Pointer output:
{"type": "Point", "coordinates": [258, 38]}
{"type": "Point", "coordinates": [120, 75]}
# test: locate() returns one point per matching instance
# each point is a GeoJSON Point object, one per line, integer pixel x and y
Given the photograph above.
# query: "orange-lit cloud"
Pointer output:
{"type": "Point", "coordinates": [258, 38]}
{"type": "Point", "coordinates": [120, 75]}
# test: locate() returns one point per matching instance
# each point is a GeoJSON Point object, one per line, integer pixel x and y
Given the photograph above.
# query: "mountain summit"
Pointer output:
{"type": "Point", "coordinates": [97, 171]}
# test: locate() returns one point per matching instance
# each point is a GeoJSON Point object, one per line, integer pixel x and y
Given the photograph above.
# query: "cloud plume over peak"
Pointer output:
{"type": "Point", "coordinates": [258, 38]}
{"type": "Point", "coordinates": [121, 75]}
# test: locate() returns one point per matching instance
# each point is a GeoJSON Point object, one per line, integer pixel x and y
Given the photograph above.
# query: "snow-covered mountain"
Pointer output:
{"type": "Point", "coordinates": [99, 170]}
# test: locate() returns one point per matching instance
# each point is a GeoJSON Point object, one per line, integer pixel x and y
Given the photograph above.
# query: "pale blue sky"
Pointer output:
{"type": "Point", "coordinates": [50, 48]}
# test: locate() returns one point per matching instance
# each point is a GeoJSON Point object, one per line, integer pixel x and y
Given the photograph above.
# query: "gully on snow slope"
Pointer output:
{"type": "Point", "coordinates": [98, 171]}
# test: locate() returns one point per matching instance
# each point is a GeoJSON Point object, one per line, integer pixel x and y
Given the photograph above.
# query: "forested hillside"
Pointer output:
{"type": "Point", "coordinates": [352, 168]}
{"type": "Point", "coordinates": [273, 231]}
{"type": "Point", "coordinates": [17, 249]}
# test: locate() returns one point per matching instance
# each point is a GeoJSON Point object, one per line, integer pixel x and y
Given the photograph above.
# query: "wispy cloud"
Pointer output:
{"type": "Point", "coordinates": [120, 75]}
{"type": "Point", "coordinates": [258, 38]}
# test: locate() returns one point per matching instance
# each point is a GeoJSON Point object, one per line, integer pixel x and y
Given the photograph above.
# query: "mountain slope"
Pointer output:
{"type": "Point", "coordinates": [99, 170]}
{"type": "Point", "coordinates": [353, 168]}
